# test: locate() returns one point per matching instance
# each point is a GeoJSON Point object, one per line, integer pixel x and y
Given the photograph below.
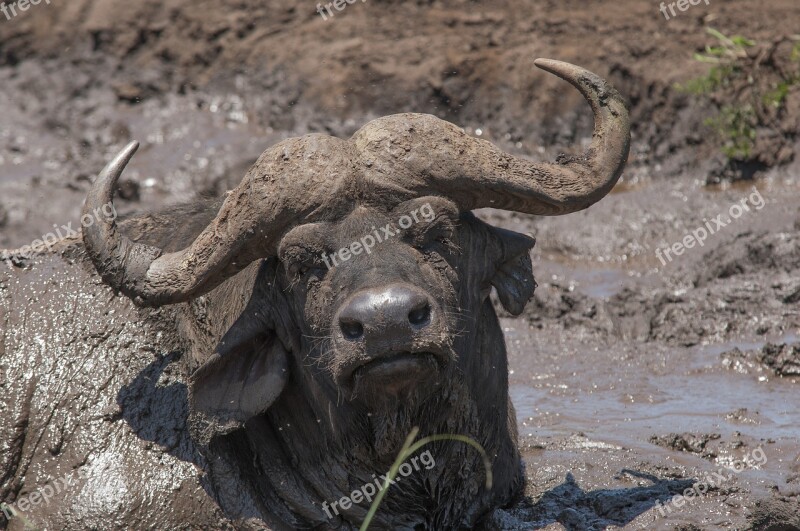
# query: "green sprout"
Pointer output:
{"type": "Point", "coordinates": [409, 447]}
{"type": "Point", "coordinates": [735, 125]}
{"type": "Point", "coordinates": [730, 49]}
{"type": "Point", "coordinates": [795, 55]}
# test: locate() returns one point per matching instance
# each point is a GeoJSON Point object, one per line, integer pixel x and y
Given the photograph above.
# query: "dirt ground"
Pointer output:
{"type": "Point", "coordinates": [633, 378]}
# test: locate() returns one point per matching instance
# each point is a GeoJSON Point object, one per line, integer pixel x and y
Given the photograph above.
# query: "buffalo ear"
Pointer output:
{"type": "Point", "coordinates": [231, 388]}
{"type": "Point", "coordinates": [513, 276]}
{"type": "Point", "coordinates": [245, 375]}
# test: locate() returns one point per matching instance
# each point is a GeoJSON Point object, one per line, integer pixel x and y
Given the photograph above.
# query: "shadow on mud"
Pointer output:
{"type": "Point", "coordinates": [155, 406]}
{"type": "Point", "coordinates": [578, 510]}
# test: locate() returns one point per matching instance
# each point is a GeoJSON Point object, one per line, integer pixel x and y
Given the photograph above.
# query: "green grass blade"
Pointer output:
{"type": "Point", "coordinates": [409, 448]}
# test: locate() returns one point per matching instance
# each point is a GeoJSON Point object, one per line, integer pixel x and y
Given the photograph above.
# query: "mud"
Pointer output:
{"type": "Point", "coordinates": [632, 378]}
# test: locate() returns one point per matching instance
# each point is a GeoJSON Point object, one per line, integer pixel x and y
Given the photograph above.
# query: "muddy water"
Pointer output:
{"type": "Point", "coordinates": [630, 410]}
{"type": "Point", "coordinates": [623, 411]}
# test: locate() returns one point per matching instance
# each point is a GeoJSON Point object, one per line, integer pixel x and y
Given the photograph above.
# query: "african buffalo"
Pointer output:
{"type": "Point", "coordinates": [334, 300]}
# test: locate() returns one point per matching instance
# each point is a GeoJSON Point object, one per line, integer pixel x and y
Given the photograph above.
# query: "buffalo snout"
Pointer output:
{"type": "Point", "coordinates": [388, 337]}
{"type": "Point", "coordinates": [385, 315]}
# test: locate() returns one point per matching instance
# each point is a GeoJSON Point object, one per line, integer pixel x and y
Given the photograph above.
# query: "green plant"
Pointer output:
{"type": "Point", "coordinates": [776, 97]}
{"type": "Point", "coordinates": [716, 78]}
{"type": "Point", "coordinates": [729, 50]}
{"type": "Point", "coordinates": [795, 55]}
{"type": "Point", "coordinates": [735, 125]}
{"type": "Point", "coordinates": [749, 85]}
{"type": "Point", "coordinates": [408, 449]}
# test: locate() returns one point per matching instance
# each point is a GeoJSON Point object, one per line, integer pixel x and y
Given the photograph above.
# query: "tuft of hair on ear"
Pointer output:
{"type": "Point", "coordinates": [513, 276]}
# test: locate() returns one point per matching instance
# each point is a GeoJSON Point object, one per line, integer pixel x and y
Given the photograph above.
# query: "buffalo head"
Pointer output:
{"type": "Point", "coordinates": [381, 297]}
{"type": "Point", "coordinates": [353, 312]}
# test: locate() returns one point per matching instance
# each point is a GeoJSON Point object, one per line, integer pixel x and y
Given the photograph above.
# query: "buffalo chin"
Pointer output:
{"type": "Point", "coordinates": [400, 377]}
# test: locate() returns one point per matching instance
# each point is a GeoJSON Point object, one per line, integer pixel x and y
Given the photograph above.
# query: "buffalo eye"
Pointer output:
{"type": "Point", "coordinates": [303, 268]}
{"type": "Point", "coordinates": [301, 262]}
{"type": "Point", "coordinates": [435, 237]}
{"type": "Point", "coordinates": [435, 220]}
{"type": "Point", "coordinates": [302, 251]}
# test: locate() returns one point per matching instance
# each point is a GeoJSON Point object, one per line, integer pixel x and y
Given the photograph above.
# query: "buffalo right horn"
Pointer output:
{"type": "Point", "coordinates": [437, 157]}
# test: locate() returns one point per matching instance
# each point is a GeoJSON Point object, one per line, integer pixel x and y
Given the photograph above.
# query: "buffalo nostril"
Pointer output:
{"type": "Point", "coordinates": [351, 329]}
{"type": "Point", "coordinates": [421, 316]}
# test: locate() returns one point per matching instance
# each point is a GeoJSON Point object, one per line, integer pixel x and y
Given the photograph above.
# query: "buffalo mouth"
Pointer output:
{"type": "Point", "coordinates": [397, 363]}
{"type": "Point", "coordinates": [394, 372]}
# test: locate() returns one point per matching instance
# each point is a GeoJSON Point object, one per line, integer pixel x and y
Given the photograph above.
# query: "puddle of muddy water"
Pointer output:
{"type": "Point", "coordinates": [623, 398]}
{"type": "Point", "coordinates": [595, 282]}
